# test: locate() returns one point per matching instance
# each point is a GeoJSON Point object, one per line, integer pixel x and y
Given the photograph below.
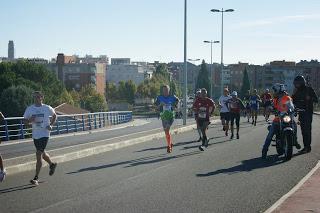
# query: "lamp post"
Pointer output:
{"type": "Point", "coordinates": [222, 12]}
{"type": "Point", "coordinates": [211, 67]}
{"type": "Point", "coordinates": [185, 66]}
{"type": "Point", "coordinates": [194, 81]}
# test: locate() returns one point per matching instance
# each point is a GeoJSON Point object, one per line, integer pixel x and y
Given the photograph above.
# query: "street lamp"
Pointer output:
{"type": "Point", "coordinates": [185, 66]}
{"type": "Point", "coordinates": [211, 67]}
{"type": "Point", "coordinates": [222, 12]}
{"type": "Point", "coordinates": [194, 60]}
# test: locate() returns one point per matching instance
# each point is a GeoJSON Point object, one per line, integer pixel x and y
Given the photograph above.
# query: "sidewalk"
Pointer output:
{"type": "Point", "coordinates": [304, 197]}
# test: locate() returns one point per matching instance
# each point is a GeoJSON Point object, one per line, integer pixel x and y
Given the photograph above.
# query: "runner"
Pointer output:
{"type": "Point", "coordinates": [39, 115]}
{"type": "Point", "coordinates": [254, 106]}
{"type": "Point", "coordinates": [224, 111]}
{"type": "Point", "coordinates": [166, 104]}
{"type": "Point", "coordinates": [235, 105]}
{"type": "Point", "coordinates": [267, 102]}
{"type": "Point", "coordinates": [248, 110]}
{"type": "Point", "coordinates": [198, 94]}
{"type": "Point", "coordinates": [204, 107]}
{"type": "Point", "coordinates": [2, 169]}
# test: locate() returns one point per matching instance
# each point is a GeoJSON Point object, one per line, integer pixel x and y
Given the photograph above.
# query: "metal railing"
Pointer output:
{"type": "Point", "coordinates": [15, 128]}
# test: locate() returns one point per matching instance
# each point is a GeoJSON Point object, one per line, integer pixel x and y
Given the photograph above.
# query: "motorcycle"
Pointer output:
{"type": "Point", "coordinates": [285, 134]}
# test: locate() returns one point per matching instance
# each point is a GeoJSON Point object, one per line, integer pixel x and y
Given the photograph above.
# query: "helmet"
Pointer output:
{"type": "Point", "coordinates": [278, 88]}
{"type": "Point", "coordinates": [203, 90]}
{"type": "Point", "coordinates": [198, 92]}
{"type": "Point", "coordinates": [299, 80]}
{"type": "Point", "coordinates": [267, 90]}
{"type": "Point", "coordinates": [234, 93]}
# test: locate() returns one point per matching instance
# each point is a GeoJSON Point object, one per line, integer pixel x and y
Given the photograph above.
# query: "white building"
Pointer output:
{"type": "Point", "coordinates": [137, 72]}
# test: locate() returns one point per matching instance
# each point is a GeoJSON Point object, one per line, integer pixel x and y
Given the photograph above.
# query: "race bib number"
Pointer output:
{"type": "Point", "coordinates": [202, 112]}
{"type": "Point", "coordinates": [167, 107]}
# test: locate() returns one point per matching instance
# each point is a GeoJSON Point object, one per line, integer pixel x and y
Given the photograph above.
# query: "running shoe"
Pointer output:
{"type": "Point", "coordinates": [201, 148]}
{"type": "Point", "coordinates": [35, 181]}
{"type": "Point", "coordinates": [3, 175]}
{"type": "Point", "coordinates": [52, 168]}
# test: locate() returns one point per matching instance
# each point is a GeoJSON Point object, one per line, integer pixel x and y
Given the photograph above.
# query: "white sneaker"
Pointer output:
{"type": "Point", "coordinates": [3, 175]}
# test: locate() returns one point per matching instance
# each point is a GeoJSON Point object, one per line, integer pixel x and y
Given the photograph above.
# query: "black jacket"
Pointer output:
{"type": "Point", "coordinates": [301, 101]}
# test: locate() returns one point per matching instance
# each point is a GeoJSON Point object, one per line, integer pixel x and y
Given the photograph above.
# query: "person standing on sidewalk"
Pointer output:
{"type": "Point", "coordinates": [167, 103]}
{"type": "Point", "coordinates": [2, 169]}
{"type": "Point", "coordinates": [224, 110]}
{"type": "Point", "coordinates": [204, 107]}
{"type": "Point", "coordinates": [303, 98]}
{"type": "Point", "coordinates": [235, 105]}
{"type": "Point", "coordinates": [42, 117]}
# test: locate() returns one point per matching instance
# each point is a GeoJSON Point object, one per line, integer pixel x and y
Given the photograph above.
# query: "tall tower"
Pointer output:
{"type": "Point", "coordinates": [11, 51]}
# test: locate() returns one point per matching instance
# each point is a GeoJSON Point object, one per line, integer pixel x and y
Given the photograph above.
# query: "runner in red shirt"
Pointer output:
{"type": "Point", "coordinates": [267, 103]}
{"type": "Point", "coordinates": [203, 107]}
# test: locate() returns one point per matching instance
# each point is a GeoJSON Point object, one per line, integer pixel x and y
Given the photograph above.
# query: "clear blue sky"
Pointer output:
{"type": "Point", "coordinates": [147, 30]}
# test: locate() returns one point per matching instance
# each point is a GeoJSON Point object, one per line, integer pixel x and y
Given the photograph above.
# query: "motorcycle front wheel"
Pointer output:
{"type": "Point", "coordinates": [288, 145]}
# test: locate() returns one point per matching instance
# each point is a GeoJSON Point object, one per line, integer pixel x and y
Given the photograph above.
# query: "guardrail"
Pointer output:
{"type": "Point", "coordinates": [14, 128]}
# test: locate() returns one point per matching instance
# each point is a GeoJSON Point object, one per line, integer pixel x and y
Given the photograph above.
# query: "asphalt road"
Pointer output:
{"type": "Point", "coordinates": [13, 149]}
{"type": "Point", "coordinates": [227, 177]}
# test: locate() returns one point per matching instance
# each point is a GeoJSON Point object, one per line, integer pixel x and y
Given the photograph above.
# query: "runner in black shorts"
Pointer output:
{"type": "Point", "coordinates": [224, 111]}
{"type": "Point", "coordinates": [235, 106]}
{"type": "Point", "coordinates": [42, 117]}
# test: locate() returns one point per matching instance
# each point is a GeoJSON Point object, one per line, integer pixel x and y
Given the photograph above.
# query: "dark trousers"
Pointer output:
{"type": "Point", "coordinates": [305, 119]}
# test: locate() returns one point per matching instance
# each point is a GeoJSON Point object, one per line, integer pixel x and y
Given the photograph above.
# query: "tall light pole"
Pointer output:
{"type": "Point", "coordinates": [185, 66]}
{"type": "Point", "coordinates": [194, 60]}
{"type": "Point", "coordinates": [222, 12]}
{"type": "Point", "coordinates": [211, 67]}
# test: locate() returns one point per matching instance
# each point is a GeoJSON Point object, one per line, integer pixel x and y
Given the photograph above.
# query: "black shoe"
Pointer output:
{"type": "Point", "coordinates": [35, 181]}
{"type": "Point", "coordinates": [201, 148]}
{"type": "Point", "coordinates": [231, 136]}
{"type": "Point", "coordinates": [226, 133]}
{"type": "Point", "coordinates": [305, 150]}
{"type": "Point", "coordinates": [297, 145]}
{"type": "Point", "coordinates": [252, 122]}
{"type": "Point", "coordinates": [238, 136]}
{"type": "Point", "coordinates": [52, 168]}
{"type": "Point", "coordinates": [200, 139]}
{"type": "Point", "coordinates": [255, 123]}
{"type": "Point", "coordinates": [264, 154]}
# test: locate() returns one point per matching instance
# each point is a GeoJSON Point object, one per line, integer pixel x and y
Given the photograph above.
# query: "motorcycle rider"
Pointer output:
{"type": "Point", "coordinates": [282, 102]}
{"type": "Point", "coordinates": [303, 98]}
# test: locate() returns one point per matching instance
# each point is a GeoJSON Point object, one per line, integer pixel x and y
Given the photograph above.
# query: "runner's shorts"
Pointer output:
{"type": "Point", "coordinates": [267, 104]}
{"type": "Point", "coordinates": [235, 117]}
{"type": "Point", "coordinates": [203, 123]}
{"type": "Point", "coordinates": [41, 143]}
{"type": "Point", "coordinates": [166, 124]}
{"type": "Point", "coordinates": [225, 116]}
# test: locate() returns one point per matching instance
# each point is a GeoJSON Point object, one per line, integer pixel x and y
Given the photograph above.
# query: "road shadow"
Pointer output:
{"type": "Point", "coordinates": [137, 162]}
{"type": "Point", "coordinates": [210, 143]}
{"type": "Point", "coordinates": [17, 188]}
{"type": "Point", "coordinates": [164, 147]}
{"type": "Point", "coordinates": [247, 166]}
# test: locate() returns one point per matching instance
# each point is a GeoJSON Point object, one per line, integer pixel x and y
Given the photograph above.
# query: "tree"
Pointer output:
{"type": "Point", "coordinates": [245, 84]}
{"type": "Point", "coordinates": [131, 89]}
{"type": "Point", "coordinates": [111, 91]}
{"type": "Point", "coordinates": [122, 92]}
{"type": "Point", "coordinates": [203, 80]}
{"type": "Point", "coordinates": [15, 100]}
{"type": "Point", "coordinates": [91, 100]}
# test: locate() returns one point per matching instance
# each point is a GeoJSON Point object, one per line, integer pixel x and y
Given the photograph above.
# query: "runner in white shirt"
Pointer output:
{"type": "Point", "coordinates": [224, 111]}
{"type": "Point", "coordinates": [39, 115]}
{"type": "Point", "coordinates": [2, 169]}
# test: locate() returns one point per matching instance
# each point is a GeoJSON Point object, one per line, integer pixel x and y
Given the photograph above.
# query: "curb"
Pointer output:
{"type": "Point", "coordinates": [30, 165]}
{"type": "Point", "coordinates": [293, 190]}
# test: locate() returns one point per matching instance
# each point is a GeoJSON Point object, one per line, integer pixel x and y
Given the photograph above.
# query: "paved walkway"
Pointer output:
{"type": "Point", "coordinates": [306, 198]}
